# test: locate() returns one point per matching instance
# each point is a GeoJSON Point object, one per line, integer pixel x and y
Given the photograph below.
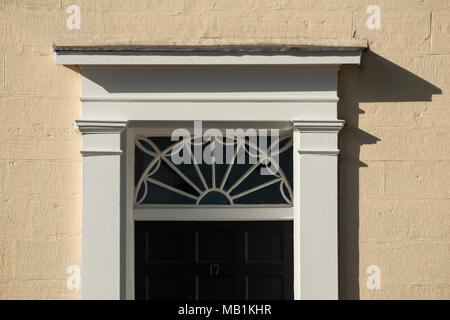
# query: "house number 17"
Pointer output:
{"type": "Point", "coordinates": [214, 269]}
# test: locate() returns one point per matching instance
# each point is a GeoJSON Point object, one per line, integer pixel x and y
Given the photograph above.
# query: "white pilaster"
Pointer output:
{"type": "Point", "coordinates": [316, 192]}
{"type": "Point", "coordinates": [101, 217]}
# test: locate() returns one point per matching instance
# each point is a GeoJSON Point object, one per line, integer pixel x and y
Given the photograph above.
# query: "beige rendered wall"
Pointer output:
{"type": "Point", "coordinates": [395, 163]}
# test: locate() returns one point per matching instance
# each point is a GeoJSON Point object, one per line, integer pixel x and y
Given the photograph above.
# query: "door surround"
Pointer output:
{"type": "Point", "coordinates": [117, 92]}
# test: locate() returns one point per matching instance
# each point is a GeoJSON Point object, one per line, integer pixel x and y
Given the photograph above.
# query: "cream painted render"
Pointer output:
{"type": "Point", "coordinates": [394, 171]}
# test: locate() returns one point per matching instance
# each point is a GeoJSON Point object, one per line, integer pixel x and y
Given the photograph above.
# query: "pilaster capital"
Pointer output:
{"type": "Point", "coordinates": [101, 138]}
{"type": "Point", "coordinates": [100, 127]}
{"type": "Point", "coordinates": [325, 126]}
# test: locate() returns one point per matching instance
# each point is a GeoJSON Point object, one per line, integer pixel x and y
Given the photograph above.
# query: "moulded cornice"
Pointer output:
{"type": "Point", "coordinates": [200, 55]}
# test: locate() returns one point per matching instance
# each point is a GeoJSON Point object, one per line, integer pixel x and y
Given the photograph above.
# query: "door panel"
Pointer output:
{"type": "Point", "coordinates": [214, 260]}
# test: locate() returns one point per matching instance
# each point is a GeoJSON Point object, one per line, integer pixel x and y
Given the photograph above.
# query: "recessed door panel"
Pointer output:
{"type": "Point", "coordinates": [214, 246]}
{"type": "Point", "coordinates": [264, 288]}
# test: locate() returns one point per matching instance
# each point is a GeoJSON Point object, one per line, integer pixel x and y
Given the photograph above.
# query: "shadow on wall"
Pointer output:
{"type": "Point", "coordinates": [376, 80]}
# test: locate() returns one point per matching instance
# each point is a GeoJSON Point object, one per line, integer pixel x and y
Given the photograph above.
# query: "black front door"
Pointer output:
{"type": "Point", "coordinates": [214, 260]}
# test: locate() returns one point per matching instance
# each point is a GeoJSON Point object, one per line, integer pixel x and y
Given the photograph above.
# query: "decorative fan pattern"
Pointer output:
{"type": "Point", "coordinates": [160, 181]}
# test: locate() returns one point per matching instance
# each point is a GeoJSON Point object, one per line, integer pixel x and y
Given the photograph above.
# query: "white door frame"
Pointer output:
{"type": "Point", "coordinates": [119, 88]}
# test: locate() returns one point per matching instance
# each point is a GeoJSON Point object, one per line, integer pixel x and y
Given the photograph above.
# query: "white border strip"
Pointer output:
{"type": "Point", "coordinates": [213, 214]}
{"type": "Point", "coordinates": [208, 97]}
{"type": "Point", "coordinates": [130, 58]}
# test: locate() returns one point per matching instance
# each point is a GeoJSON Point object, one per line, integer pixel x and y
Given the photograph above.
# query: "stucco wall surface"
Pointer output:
{"type": "Point", "coordinates": [394, 207]}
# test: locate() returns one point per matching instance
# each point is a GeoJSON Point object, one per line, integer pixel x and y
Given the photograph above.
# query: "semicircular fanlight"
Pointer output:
{"type": "Point", "coordinates": [234, 178]}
